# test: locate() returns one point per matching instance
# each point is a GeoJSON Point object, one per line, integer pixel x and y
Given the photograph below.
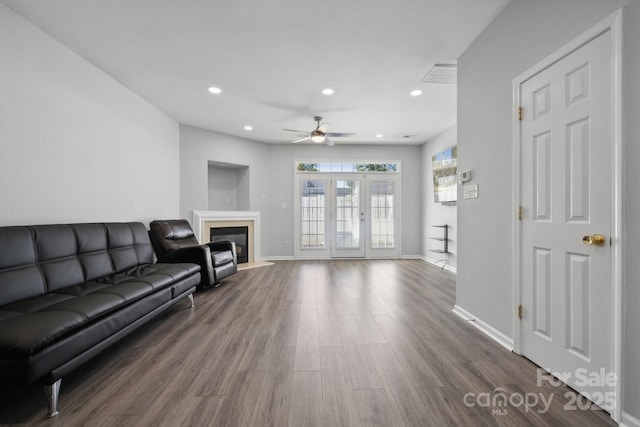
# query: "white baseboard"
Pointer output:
{"type": "Point", "coordinates": [439, 263]}
{"type": "Point", "coordinates": [278, 258]}
{"type": "Point", "coordinates": [629, 420]}
{"type": "Point", "coordinates": [487, 329]}
{"type": "Point", "coordinates": [418, 257]}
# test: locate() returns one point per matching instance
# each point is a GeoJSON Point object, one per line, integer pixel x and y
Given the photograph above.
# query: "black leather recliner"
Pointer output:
{"type": "Point", "coordinates": [173, 241]}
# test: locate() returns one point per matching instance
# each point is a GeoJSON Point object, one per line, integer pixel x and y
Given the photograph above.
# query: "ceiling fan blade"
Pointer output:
{"type": "Point", "coordinates": [329, 142]}
{"type": "Point", "coordinates": [340, 134]}
{"type": "Point", "coordinates": [300, 140]}
{"type": "Point", "coordinates": [323, 127]}
{"type": "Point", "coordinates": [296, 131]}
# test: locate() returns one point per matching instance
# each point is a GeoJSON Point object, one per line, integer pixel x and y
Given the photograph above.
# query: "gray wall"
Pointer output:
{"type": "Point", "coordinates": [74, 144]}
{"type": "Point", "coordinates": [271, 181]}
{"type": "Point", "coordinates": [437, 213]}
{"type": "Point", "coordinates": [525, 33]}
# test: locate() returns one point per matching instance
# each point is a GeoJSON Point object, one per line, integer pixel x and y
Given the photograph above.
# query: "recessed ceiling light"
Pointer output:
{"type": "Point", "coordinates": [248, 127]}
{"type": "Point", "coordinates": [327, 91]}
{"type": "Point", "coordinates": [416, 92]}
{"type": "Point", "coordinates": [379, 135]}
{"type": "Point", "coordinates": [215, 90]}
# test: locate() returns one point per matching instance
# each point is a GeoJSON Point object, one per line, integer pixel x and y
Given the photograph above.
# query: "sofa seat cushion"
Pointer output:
{"type": "Point", "coordinates": [25, 334]}
{"type": "Point", "coordinates": [28, 326]}
{"type": "Point", "coordinates": [158, 275]}
{"type": "Point", "coordinates": [219, 258]}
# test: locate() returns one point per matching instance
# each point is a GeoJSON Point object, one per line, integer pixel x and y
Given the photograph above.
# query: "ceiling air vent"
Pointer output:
{"type": "Point", "coordinates": [442, 74]}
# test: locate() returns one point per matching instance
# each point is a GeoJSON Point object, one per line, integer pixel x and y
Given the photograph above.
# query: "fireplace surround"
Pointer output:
{"type": "Point", "coordinates": [203, 221]}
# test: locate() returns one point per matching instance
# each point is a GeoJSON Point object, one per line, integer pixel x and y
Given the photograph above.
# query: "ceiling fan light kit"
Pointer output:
{"type": "Point", "coordinates": [319, 134]}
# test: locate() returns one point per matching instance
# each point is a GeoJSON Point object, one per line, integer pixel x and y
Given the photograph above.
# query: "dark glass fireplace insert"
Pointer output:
{"type": "Point", "coordinates": [240, 235]}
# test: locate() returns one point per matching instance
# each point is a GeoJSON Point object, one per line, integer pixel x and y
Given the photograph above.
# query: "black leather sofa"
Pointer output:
{"type": "Point", "coordinates": [68, 291]}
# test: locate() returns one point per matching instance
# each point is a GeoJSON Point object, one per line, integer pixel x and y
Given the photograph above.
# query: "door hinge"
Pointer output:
{"type": "Point", "coordinates": [520, 113]}
{"type": "Point", "coordinates": [520, 311]}
{"type": "Point", "coordinates": [520, 213]}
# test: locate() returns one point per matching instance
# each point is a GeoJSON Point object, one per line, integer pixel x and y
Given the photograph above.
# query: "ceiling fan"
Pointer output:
{"type": "Point", "coordinates": [319, 134]}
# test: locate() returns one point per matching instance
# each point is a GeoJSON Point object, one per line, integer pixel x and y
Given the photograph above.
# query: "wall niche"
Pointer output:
{"type": "Point", "coordinates": [228, 186]}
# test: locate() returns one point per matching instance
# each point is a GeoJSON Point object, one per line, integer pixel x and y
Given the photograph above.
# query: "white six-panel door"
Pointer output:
{"type": "Point", "coordinates": [566, 135]}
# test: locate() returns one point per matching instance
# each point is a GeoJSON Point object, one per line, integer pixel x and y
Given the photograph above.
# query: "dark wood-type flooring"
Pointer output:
{"type": "Point", "coordinates": [318, 343]}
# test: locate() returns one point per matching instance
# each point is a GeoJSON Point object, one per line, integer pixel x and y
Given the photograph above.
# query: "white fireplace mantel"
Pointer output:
{"type": "Point", "coordinates": [201, 217]}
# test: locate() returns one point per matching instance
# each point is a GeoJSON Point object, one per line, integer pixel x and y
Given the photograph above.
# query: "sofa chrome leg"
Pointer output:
{"type": "Point", "coordinates": [192, 301]}
{"type": "Point", "coordinates": [52, 392]}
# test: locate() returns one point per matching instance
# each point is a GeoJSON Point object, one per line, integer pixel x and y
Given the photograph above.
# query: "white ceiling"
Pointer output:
{"type": "Point", "coordinates": [272, 58]}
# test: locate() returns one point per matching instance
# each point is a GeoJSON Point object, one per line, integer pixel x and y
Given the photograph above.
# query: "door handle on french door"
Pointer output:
{"type": "Point", "coordinates": [594, 240]}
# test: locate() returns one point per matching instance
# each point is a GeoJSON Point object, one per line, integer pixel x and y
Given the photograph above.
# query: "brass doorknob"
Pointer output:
{"type": "Point", "coordinates": [595, 240]}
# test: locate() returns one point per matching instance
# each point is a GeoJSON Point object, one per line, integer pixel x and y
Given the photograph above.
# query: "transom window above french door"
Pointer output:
{"type": "Point", "coordinates": [347, 167]}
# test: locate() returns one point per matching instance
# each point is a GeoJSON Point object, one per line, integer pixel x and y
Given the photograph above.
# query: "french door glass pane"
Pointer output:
{"type": "Point", "coordinates": [312, 200]}
{"type": "Point", "coordinates": [347, 214]}
{"type": "Point", "coordinates": [382, 222]}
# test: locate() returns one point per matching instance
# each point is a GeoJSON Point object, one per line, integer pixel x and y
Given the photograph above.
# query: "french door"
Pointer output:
{"type": "Point", "coordinates": [346, 215]}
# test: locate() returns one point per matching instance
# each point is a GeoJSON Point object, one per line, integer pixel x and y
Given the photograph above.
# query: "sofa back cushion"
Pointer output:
{"type": "Point", "coordinates": [57, 256]}
{"type": "Point", "coordinates": [39, 259]}
{"type": "Point", "coordinates": [20, 277]}
{"type": "Point", "coordinates": [93, 251]}
{"type": "Point", "coordinates": [129, 245]}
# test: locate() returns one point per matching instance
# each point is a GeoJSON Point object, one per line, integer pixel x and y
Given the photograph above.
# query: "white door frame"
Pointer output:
{"type": "Point", "coordinates": [612, 23]}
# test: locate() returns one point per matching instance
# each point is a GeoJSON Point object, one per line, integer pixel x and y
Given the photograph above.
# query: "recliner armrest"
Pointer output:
{"type": "Point", "coordinates": [221, 245]}
{"type": "Point", "coordinates": [224, 245]}
{"type": "Point", "coordinates": [200, 255]}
